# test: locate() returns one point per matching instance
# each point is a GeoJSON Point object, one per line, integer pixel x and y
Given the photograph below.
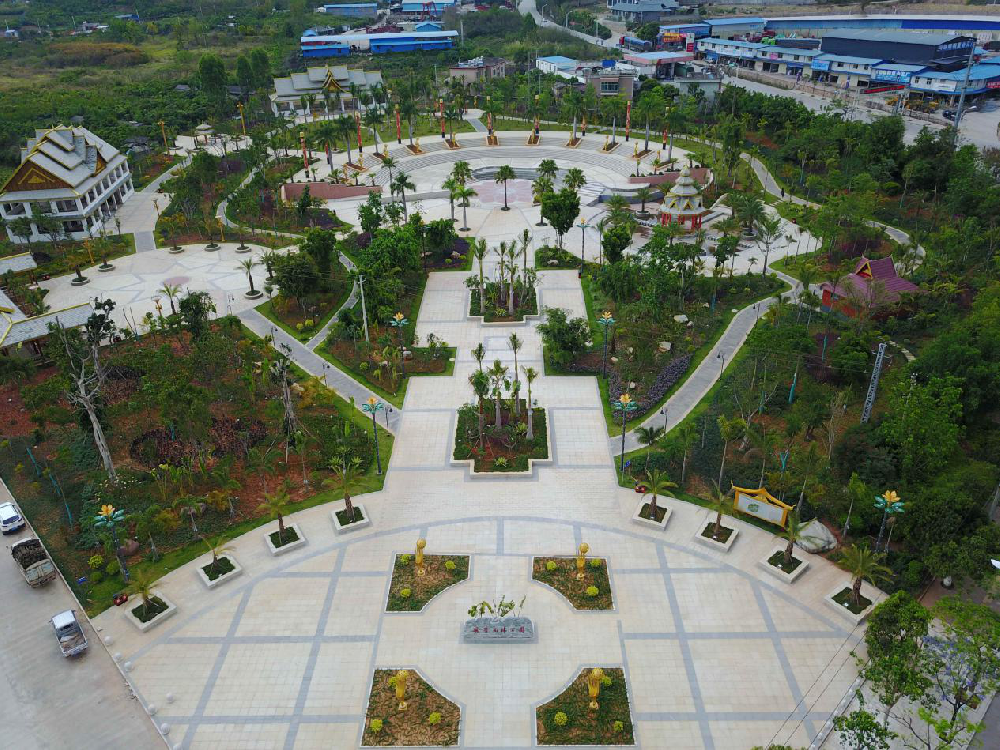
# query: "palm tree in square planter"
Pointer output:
{"type": "Point", "coordinates": [659, 484]}
{"type": "Point", "coordinates": [275, 506]}
{"type": "Point", "coordinates": [864, 565]}
{"type": "Point", "coordinates": [347, 472]}
{"type": "Point", "coordinates": [713, 533]}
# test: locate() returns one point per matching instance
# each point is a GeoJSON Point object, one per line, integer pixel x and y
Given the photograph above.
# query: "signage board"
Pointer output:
{"type": "Point", "coordinates": [761, 504]}
{"type": "Point", "coordinates": [820, 64]}
{"type": "Point", "coordinates": [891, 75]}
{"type": "Point", "coordinates": [689, 42]}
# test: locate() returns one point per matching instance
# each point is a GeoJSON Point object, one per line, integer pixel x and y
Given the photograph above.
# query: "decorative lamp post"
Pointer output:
{"type": "Point", "coordinates": [889, 504]}
{"type": "Point", "coordinates": [398, 322]}
{"type": "Point", "coordinates": [373, 406]}
{"type": "Point", "coordinates": [163, 132]}
{"type": "Point", "coordinates": [581, 560]}
{"type": "Point", "coordinates": [583, 242]}
{"type": "Point", "coordinates": [606, 321]}
{"type": "Point", "coordinates": [722, 362]}
{"type": "Point", "coordinates": [109, 518]}
{"type": "Point", "coordinates": [419, 560]}
{"type": "Point", "coordinates": [441, 115]}
{"type": "Point", "coordinates": [626, 406]}
{"type": "Point", "coordinates": [663, 411]}
{"type": "Point", "coordinates": [243, 121]}
{"type": "Point", "coordinates": [594, 687]}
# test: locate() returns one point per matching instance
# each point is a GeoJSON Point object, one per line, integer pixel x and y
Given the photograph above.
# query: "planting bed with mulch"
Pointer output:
{"type": "Point", "coordinates": [147, 611]}
{"type": "Point", "coordinates": [344, 521]}
{"type": "Point", "coordinates": [227, 436]}
{"type": "Point", "coordinates": [429, 719]}
{"type": "Point", "coordinates": [568, 720]}
{"type": "Point", "coordinates": [563, 579]}
{"type": "Point", "coordinates": [280, 539]}
{"type": "Point", "coordinates": [845, 598]}
{"type": "Point", "coordinates": [506, 448]}
{"type": "Point", "coordinates": [778, 561]}
{"type": "Point", "coordinates": [495, 310]}
{"type": "Point", "coordinates": [724, 533]}
{"type": "Point", "coordinates": [646, 513]}
{"type": "Point", "coordinates": [409, 592]}
{"type": "Point", "coordinates": [218, 568]}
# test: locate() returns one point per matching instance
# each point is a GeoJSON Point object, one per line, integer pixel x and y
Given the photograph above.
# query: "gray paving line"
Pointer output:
{"type": "Point", "coordinates": [325, 573]}
{"type": "Point", "coordinates": [267, 719]}
{"type": "Point", "coordinates": [500, 539]}
{"type": "Point", "coordinates": [711, 715]}
{"type": "Point", "coordinates": [310, 668]}
{"type": "Point", "coordinates": [786, 667]}
{"type": "Point", "coordinates": [692, 675]}
{"type": "Point", "coordinates": [753, 635]}
{"type": "Point", "coordinates": [377, 639]}
{"type": "Point", "coordinates": [213, 676]}
{"type": "Point", "coordinates": [269, 639]}
{"type": "Point", "coordinates": [629, 692]}
{"type": "Point", "coordinates": [674, 571]}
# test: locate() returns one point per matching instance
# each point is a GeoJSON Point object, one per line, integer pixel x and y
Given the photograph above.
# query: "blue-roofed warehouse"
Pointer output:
{"type": "Point", "coordinates": [352, 10]}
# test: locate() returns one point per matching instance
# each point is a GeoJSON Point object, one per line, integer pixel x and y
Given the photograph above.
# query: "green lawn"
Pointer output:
{"type": "Point", "coordinates": [790, 264]}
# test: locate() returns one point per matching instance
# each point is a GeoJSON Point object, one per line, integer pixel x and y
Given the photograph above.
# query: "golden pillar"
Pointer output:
{"type": "Point", "coordinates": [594, 687]}
{"type": "Point", "coordinates": [421, 543]}
{"type": "Point", "coordinates": [243, 121]}
{"type": "Point", "coordinates": [163, 132]}
{"type": "Point", "coordinates": [400, 683]}
{"type": "Point", "coordinates": [581, 560]}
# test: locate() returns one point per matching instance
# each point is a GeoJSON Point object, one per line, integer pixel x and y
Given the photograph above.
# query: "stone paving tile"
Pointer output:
{"type": "Point", "coordinates": [340, 681]}
{"type": "Point", "coordinates": [742, 735]}
{"type": "Point", "coordinates": [717, 602]}
{"type": "Point", "coordinates": [215, 622]}
{"type": "Point", "coordinates": [427, 437]}
{"type": "Point", "coordinates": [816, 664]}
{"type": "Point", "coordinates": [239, 736]}
{"type": "Point", "coordinates": [317, 564]}
{"type": "Point", "coordinates": [301, 603]}
{"type": "Point", "coordinates": [175, 668]}
{"type": "Point", "coordinates": [676, 735]}
{"type": "Point", "coordinates": [636, 553]}
{"type": "Point", "coordinates": [576, 437]}
{"type": "Point", "coordinates": [326, 736]}
{"type": "Point", "coordinates": [259, 679]}
{"type": "Point", "coordinates": [727, 681]}
{"type": "Point", "coordinates": [658, 676]}
{"type": "Point", "coordinates": [477, 536]}
{"type": "Point", "coordinates": [787, 616]}
{"type": "Point", "coordinates": [642, 601]}
{"type": "Point", "coordinates": [521, 537]}
{"type": "Point", "coordinates": [357, 603]}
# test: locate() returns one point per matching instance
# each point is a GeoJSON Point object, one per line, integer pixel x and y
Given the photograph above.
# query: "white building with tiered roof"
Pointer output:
{"type": "Point", "coordinates": [337, 80]}
{"type": "Point", "coordinates": [73, 178]}
{"type": "Point", "coordinates": [683, 204]}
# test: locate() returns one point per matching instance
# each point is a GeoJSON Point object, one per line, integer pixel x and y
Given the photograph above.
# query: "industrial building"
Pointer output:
{"type": "Point", "coordinates": [328, 45]}
{"type": "Point", "coordinates": [643, 11]}
{"type": "Point", "coordinates": [916, 48]}
{"type": "Point", "coordinates": [350, 10]}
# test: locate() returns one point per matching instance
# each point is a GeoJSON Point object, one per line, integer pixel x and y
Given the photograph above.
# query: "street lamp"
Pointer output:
{"type": "Point", "coordinates": [626, 406]}
{"type": "Point", "coordinates": [109, 518]}
{"type": "Point", "coordinates": [722, 366]}
{"type": "Point", "coordinates": [373, 406]}
{"type": "Point", "coordinates": [583, 242]}
{"type": "Point", "coordinates": [397, 322]}
{"type": "Point", "coordinates": [663, 411]}
{"type": "Point", "coordinates": [606, 321]}
{"type": "Point", "coordinates": [889, 504]}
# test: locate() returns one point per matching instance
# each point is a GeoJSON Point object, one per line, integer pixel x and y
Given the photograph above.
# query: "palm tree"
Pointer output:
{"type": "Point", "coordinates": [464, 194]}
{"type": "Point", "coordinates": [172, 292]}
{"type": "Point", "coordinates": [192, 506]}
{"type": "Point", "coordinates": [451, 185]}
{"type": "Point", "coordinates": [504, 173]}
{"type": "Point", "coordinates": [547, 168]}
{"type": "Point", "coordinates": [794, 532]}
{"type": "Point", "coordinates": [530, 373]}
{"type": "Point", "coordinates": [388, 162]}
{"type": "Point", "coordinates": [346, 472]}
{"type": "Point", "coordinates": [719, 503]}
{"type": "Point", "coordinates": [142, 584]}
{"type": "Point", "coordinates": [658, 484]}
{"type": "Point", "coordinates": [217, 547]}
{"type": "Point", "coordinates": [644, 194]}
{"type": "Point", "coordinates": [729, 429]}
{"type": "Point", "coordinates": [863, 565]}
{"type": "Point", "coordinates": [575, 178]}
{"type": "Point", "coordinates": [400, 185]}
{"type": "Point", "coordinates": [276, 506]}
{"type": "Point", "coordinates": [479, 253]}
{"type": "Point", "coordinates": [480, 383]}
{"type": "Point", "coordinates": [145, 523]}
{"type": "Point", "coordinates": [687, 433]}
{"type": "Point", "coordinates": [647, 436]}
{"type": "Point", "coordinates": [248, 265]}
{"type": "Point", "coordinates": [452, 114]}
{"type": "Point", "coordinates": [498, 378]}
{"type": "Point", "coordinates": [461, 172]}
{"type": "Point", "coordinates": [515, 345]}
{"type": "Point", "coordinates": [325, 137]}
{"type": "Point", "coordinates": [479, 354]}
{"type": "Point", "coordinates": [345, 126]}
{"type": "Point", "coordinates": [768, 232]}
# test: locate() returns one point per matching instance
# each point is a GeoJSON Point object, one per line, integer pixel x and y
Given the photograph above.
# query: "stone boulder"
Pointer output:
{"type": "Point", "coordinates": [817, 537]}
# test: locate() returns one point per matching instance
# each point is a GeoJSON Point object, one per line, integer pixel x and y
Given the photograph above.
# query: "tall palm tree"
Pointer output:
{"type": "Point", "coordinates": [248, 265]}
{"type": "Point", "coordinates": [275, 505]}
{"type": "Point", "coordinates": [479, 253]}
{"type": "Point", "coordinates": [172, 292]}
{"type": "Point", "coordinates": [515, 345]}
{"type": "Point", "coordinates": [658, 484]}
{"type": "Point", "coordinates": [504, 173]}
{"type": "Point", "coordinates": [480, 383]}
{"type": "Point", "coordinates": [794, 532]}
{"type": "Point", "coordinates": [547, 168]}
{"type": "Point", "coordinates": [345, 126]}
{"type": "Point", "coordinates": [192, 506]}
{"type": "Point", "coordinates": [647, 436]}
{"type": "Point", "coordinates": [461, 172]}
{"type": "Point", "coordinates": [644, 194]}
{"type": "Point", "coordinates": [530, 374]}
{"type": "Point", "coordinates": [388, 162]}
{"type": "Point", "coordinates": [863, 565]}
{"type": "Point", "coordinates": [142, 584]}
{"type": "Point", "coordinates": [217, 547]}
{"type": "Point", "coordinates": [498, 379]}
{"type": "Point", "coordinates": [768, 232]}
{"type": "Point", "coordinates": [451, 184]}
{"type": "Point", "coordinates": [346, 473]}
{"type": "Point", "coordinates": [464, 194]}
{"type": "Point", "coordinates": [325, 137]}
{"type": "Point", "coordinates": [575, 178]}
{"type": "Point", "coordinates": [400, 185]}
{"type": "Point", "coordinates": [718, 502]}
{"type": "Point", "coordinates": [729, 429]}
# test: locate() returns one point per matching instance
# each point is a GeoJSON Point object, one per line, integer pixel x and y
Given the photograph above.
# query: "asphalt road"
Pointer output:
{"type": "Point", "coordinates": [46, 700]}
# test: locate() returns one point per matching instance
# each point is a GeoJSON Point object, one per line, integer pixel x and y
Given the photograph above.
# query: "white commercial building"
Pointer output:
{"type": "Point", "coordinates": [70, 181]}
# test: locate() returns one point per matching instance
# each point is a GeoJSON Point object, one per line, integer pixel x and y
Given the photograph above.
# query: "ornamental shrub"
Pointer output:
{"type": "Point", "coordinates": [619, 726]}
{"type": "Point", "coordinates": [113, 568]}
{"type": "Point", "coordinates": [405, 593]}
{"type": "Point", "coordinates": [449, 565]}
{"type": "Point", "coordinates": [404, 559]}
{"type": "Point", "coordinates": [551, 565]}
{"type": "Point", "coordinates": [606, 681]}
{"type": "Point", "coordinates": [592, 591]}
{"type": "Point", "coordinates": [376, 726]}
{"type": "Point", "coordinates": [560, 719]}
{"type": "Point", "coordinates": [96, 562]}
{"type": "Point", "coordinates": [434, 718]}
{"type": "Point", "coordinates": [595, 562]}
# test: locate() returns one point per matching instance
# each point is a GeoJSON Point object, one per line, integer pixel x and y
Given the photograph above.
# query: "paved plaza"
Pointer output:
{"type": "Point", "coordinates": [717, 653]}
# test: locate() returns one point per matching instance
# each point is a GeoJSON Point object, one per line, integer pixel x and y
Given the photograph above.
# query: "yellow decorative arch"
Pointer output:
{"type": "Point", "coordinates": [761, 504]}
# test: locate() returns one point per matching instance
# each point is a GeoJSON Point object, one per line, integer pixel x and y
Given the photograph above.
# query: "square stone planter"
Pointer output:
{"type": "Point", "coordinates": [224, 577]}
{"type": "Point", "coordinates": [855, 618]}
{"type": "Point", "coordinates": [285, 548]}
{"type": "Point", "coordinates": [712, 543]}
{"type": "Point", "coordinates": [340, 528]}
{"type": "Point", "coordinates": [166, 614]}
{"type": "Point", "coordinates": [778, 572]}
{"type": "Point", "coordinates": [649, 522]}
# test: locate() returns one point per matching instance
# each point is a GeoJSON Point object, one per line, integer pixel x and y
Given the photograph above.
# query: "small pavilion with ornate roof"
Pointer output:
{"type": "Point", "coordinates": [683, 203]}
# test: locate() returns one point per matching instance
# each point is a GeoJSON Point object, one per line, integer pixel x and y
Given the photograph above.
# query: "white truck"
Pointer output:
{"type": "Point", "coordinates": [70, 635]}
{"type": "Point", "coordinates": [34, 562]}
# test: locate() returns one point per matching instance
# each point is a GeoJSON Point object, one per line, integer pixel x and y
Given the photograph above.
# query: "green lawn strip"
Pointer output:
{"type": "Point", "coordinates": [790, 265]}
{"type": "Point", "coordinates": [702, 153]}
{"type": "Point", "coordinates": [73, 254]}
{"type": "Point", "coordinates": [396, 399]}
{"type": "Point", "coordinates": [423, 127]}
{"type": "Point", "coordinates": [267, 310]}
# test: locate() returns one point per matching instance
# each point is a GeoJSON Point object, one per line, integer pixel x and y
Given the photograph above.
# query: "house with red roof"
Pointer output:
{"type": "Point", "coordinates": [873, 285]}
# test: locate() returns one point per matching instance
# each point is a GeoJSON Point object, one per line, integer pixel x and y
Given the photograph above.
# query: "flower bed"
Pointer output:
{"type": "Point", "coordinates": [560, 574]}
{"type": "Point", "coordinates": [567, 719]}
{"type": "Point", "coordinates": [216, 573]}
{"type": "Point", "coordinates": [505, 449]}
{"type": "Point", "coordinates": [429, 719]}
{"type": "Point", "coordinates": [495, 310]}
{"type": "Point", "coordinates": [409, 592]}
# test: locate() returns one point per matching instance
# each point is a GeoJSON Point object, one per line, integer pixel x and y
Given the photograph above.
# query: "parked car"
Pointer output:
{"type": "Point", "coordinates": [11, 519]}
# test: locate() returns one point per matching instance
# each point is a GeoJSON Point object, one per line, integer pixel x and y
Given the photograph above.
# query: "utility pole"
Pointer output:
{"type": "Point", "coordinates": [873, 385]}
{"type": "Point", "coordinates": [364, 310]}
{"type": "Point", "coordinates": [965, 87]}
